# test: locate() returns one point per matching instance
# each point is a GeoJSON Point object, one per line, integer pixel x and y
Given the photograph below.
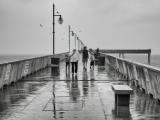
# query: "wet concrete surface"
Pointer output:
{"type": "Point", "coordinates": [85, 96]}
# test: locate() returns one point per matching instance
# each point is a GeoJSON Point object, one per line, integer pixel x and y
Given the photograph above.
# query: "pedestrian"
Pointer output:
{"type": "Point", "coordinates": [67, 59]}
{"type": "Point", "coordinates": [97, 53]}
{"type": "Point", "coordinates": [85, 57]}
{"type": "Point", "coordinates": [92, 59]}
{"type": "Point", "coordinates": [74, 58]}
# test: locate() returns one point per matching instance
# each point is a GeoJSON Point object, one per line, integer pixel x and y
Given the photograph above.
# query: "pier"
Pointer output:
{"type": "Point", "coordinates": [41, 42]}
{"type": "Point", "coordinates": [54, 94]}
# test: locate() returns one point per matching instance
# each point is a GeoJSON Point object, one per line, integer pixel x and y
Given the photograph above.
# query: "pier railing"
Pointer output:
{"type": "Point", "coordinates": [145, 76]}
{"type": "Point", "coordinates": [13, 71]}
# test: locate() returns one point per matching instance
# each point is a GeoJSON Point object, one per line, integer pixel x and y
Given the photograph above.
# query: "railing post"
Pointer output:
{"type": "Point", "coordinates": [149, 58]}
{"type": "Point", "coordinates": [123, 55]}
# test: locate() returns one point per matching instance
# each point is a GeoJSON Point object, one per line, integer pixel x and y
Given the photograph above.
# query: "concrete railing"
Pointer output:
{"type": "Point", "coordinates": [13, 71]}
{"type": "Point", "coordinates": [145, 76]}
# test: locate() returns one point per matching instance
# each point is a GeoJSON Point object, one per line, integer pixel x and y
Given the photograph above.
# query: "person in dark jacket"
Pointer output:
{"type": "Point", "coordinates": [85, 57]}
{"type": "Point", "coordinates": [92, 59]}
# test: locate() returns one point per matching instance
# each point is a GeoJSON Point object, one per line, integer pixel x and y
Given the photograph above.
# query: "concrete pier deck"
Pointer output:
{"type": "Point", "coordinates": [85, 96]}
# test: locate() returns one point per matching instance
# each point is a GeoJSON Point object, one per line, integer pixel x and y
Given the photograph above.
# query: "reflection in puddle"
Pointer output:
{"type": "Point", "coordinates": [18, 95]}
{"type": "Point", "coordinates": [74, 91]}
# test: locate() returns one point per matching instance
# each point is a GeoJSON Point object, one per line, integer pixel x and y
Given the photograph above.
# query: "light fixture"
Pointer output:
{"type": "Point", "coordinates": [60, 20]}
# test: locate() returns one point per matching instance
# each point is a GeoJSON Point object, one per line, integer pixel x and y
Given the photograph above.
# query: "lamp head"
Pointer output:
{"type": "Point", "coordinates": [72, 33]}
{"type": "Point", "coordinates": [60, 20]}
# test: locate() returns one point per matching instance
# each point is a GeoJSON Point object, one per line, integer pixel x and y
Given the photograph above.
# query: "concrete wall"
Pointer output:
{"type": "Point", "coordinates": [145, 76]}
{"type": "Point", "coordinates": [13, 71]}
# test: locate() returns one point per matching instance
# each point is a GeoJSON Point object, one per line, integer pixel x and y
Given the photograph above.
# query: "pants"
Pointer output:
{"type": "Point", "coordinates": [74, 67]}
{"type": "Point", "coordinates": [67, 66]}
{"type": "Point", "coordinates": [85, 63]}
{"type": "Point", "coordinates": [92, 64]}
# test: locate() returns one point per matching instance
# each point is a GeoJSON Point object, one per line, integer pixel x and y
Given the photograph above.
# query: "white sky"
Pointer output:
{"type": "Point", "coordinates": [108, 24]}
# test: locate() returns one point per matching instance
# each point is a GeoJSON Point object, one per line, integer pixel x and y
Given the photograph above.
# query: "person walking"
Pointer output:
{"type": "Point", "coordinates": [85, 57]}
{"type": "Point", "coordinates": [67, 59]}
{"type": "Point", "coordinates": [74, 58]}
{"type": "Point", "coordinates": [92, 59]}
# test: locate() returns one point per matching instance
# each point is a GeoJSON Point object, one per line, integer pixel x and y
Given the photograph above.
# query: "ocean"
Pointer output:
{"type": "Point", "coordinates": [155, 59]}
{"type": "Point", "coordinates": [11, 58]}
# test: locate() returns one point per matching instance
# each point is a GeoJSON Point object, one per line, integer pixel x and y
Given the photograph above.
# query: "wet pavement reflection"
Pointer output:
{"type": "Point", "coordinates": [54, 94]}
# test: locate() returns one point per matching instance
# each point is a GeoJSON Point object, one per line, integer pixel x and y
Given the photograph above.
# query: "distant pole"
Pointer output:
{"type": "Point", "coordinates": [53, 31]}
{"type": "Point", "coordinates": [78, 44]}
{"type": "Point", "coordinates": [60, 21]}
{"type": "Point", "coordinates": [149, 58]}
{"type": "Point", "coordinates": [69, 36]}
{"type": "Point", "coordinates": [75, 40]}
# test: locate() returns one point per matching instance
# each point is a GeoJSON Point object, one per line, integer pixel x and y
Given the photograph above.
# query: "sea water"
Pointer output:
{"type": "Point", "coordinates": [155, 59]}
{"type": "Point", "coordinates": [12, 58]}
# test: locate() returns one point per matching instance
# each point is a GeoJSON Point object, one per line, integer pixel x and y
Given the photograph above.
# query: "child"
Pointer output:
{"type": "Point", "coordinates": [67, 59]}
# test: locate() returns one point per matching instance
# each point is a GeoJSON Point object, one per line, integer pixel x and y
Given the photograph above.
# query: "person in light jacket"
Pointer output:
{"type": "Point", "coordinates": [74, 58]}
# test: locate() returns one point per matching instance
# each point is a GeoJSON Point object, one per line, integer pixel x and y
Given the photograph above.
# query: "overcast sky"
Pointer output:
{"type": "Point", "coordinates": [108, 24]}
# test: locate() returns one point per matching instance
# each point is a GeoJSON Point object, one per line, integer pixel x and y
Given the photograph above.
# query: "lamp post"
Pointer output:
{"type": "Point", "coordinates": [69, 37]}
{"type": "Point", "coordinates": [60, 21]}
{"type": "Point", "coordinates": [81, 45]}
{"type": "Point", "coordinates": [70, 31]}
{"type": "Point", "coordinates": [75, 39]}
{"type": "Point", "coordinates": [78, 43]}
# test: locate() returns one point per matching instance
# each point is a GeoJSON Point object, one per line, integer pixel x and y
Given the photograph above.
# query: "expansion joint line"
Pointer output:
{"type": "Point", "coordinates": [102, 104]}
